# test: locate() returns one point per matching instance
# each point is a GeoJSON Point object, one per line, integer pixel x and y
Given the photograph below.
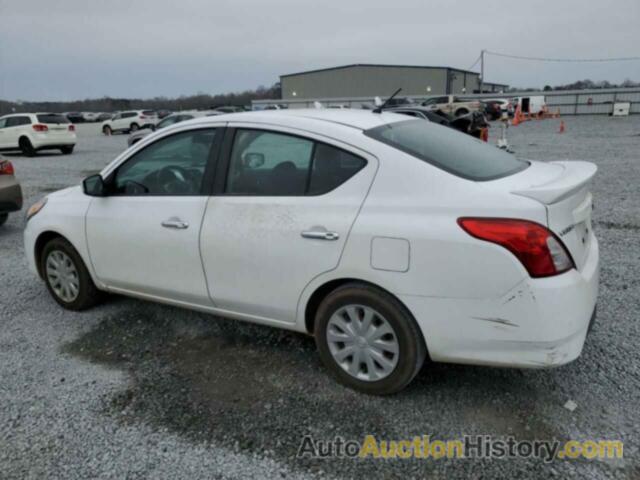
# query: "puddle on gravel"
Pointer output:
{"type": "Point", "coordinates": [260, 390]}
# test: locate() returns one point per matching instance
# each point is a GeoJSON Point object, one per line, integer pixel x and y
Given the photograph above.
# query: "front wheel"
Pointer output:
{"type": "Point", "coordinates": [67, 277]}
{"type": "Point", "coordinates": [67, 150]}
{"type": "Point", "coordinates": [107, 130]}
{"type": "Point", "coordinates": [368, 339]}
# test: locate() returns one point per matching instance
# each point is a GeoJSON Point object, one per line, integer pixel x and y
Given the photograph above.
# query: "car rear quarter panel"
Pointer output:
{"type": "Point", "coordinates": [415, 201]}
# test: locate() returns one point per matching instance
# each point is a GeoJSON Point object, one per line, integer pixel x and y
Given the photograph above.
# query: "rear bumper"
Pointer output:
{"type": "Point", "coordinates": [10, 198]}
{"type": "Point", "coordinates": [538, 323]}
{"type": "Point", "coordinates": [42, 141]}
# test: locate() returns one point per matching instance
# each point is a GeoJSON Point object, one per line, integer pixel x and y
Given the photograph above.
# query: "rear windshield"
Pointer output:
{"type": "Point", "coordinates": [52, 118]}
{"type": "Point", "coordinates": [448, 149]}
{"type": "Point", "coordinates": [148, 112]}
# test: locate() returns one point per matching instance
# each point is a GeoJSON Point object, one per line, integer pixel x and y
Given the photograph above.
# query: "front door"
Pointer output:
{"type": "Point", "coordinates": [143, 237]}
{"type": "Point", "coordinates": [280, 219]}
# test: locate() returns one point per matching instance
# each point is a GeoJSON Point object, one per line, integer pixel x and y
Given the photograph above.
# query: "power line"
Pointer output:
{"type": "Point", "coordinates": [569, 60]}
{"type": "Point", "coordinates": [475, 63]}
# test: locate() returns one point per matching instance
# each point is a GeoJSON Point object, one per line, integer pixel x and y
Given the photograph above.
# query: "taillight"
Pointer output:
{"type": "Point", "coordinates": [38, 127]}
{"type": "Point", "coordinates": [6, 168]}
{"type": "Point", "coordinates": [142, 117]}
{"type": "Point", "coordinates": [72, 128]}
{"type": "Point", "coordinates": [537, 248]}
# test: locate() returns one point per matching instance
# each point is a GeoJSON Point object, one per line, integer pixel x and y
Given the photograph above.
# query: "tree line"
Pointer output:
{"type": "Point", "coordinates": [108, 104]}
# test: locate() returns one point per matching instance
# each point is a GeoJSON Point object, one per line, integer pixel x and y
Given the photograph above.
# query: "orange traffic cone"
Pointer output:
{"type": "Point", "coordinates": [516, 117]}
{"type": "Point", "coordinates": [561, 129]}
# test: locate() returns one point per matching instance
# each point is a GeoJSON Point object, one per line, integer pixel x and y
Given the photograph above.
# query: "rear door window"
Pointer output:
{"type": "Point", "coordinates": [267, 163]}
{"type": "Point", "coordinates": [17, 121]}
{"type": "Point", "coordinates": [448, 149]}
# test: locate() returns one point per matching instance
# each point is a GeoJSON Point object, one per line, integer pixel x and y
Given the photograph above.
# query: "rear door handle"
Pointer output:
{"type": "Point", "coordinates": [319, 235]}
{"type": "Point", "coordinates": [175, 223]}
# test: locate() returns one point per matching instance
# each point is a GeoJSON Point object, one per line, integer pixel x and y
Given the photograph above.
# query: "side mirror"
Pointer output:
{"type": "Point", "coordinates": [253, 160]}
{"type": "Point", "coordinates": [94, 186]}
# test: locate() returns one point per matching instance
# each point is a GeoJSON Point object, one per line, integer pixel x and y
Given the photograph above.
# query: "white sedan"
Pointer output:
{"type": "Point", "coordinates": [389, 239]}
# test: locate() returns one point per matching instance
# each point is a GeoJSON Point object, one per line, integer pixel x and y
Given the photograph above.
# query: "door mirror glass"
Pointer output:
{"type": "Point", "coordinates": [94, 186]}
{"type": "Point", "coordinates": [253, 160]}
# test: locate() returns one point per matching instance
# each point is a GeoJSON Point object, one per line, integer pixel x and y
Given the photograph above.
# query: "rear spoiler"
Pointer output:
{"type": "Point", "coordinates": [574, 176]}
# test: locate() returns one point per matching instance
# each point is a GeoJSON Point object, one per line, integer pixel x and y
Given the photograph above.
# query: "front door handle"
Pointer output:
{"type": "Point", "coordinates": [319, 235]}
{"type": "Point", "coordinates": [175, 223]}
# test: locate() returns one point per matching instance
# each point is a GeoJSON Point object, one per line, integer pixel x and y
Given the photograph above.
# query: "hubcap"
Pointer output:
{"type": "Point", "coordinates": [362, 342]}
{"type": "Point", "coordinates": [62, 276]}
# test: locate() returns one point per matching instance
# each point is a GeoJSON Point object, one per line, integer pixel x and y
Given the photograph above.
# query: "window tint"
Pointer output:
{"type": "Point", "coordinates": [445, 148]}
{"type": "Point", "coordinates": [52, 118]}
{"type": "Point", "coordinates": [266, 163]}
{"type": "Point", "coordinates": [17, 121]}
{"type": "Point", "coordinates": [129, 114]}
{"type": "Point", "coordinates": [173, 165]}
{"type": "Point", "coordinates": [148, 112]}
{"type": "Point", "coordinates": [331, 168]}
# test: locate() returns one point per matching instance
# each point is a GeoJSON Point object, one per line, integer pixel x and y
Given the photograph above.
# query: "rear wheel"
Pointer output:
{"type": "Point", "coordinates": [106, 130]}
{"type": "Point", "coordinates": [368, 339]}
{"type": "Point", "coordinates": [67, 277]}
{"type": "Point", "coordinates": [26, 148]}
{"type": "Point", "coordinates": [67, 150]}
{"type": "Point", "coordinates": [3, 218]}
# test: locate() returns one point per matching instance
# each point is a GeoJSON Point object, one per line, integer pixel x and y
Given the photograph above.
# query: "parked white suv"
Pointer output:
{"type": "Point", "coordinates": [129, 121]}
{"type": "Point", "coordinates": [31, 132]}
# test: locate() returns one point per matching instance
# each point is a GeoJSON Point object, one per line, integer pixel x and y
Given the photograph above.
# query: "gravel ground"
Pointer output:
{"type": "Point", "coordinates": [137, 390]}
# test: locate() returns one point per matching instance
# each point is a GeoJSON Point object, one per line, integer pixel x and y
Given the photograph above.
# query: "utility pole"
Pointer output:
{"type": "Point", "coordinates": [481, 71]}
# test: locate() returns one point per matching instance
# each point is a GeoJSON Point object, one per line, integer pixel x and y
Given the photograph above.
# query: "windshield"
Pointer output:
{"type": "Point", "coordinates": [448, 149]}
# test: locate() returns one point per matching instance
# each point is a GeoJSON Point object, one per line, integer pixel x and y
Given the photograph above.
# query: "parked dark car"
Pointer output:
{"type": "Point", "coordinates": [472, 123]}
{"type": "Point", "coordinates": [163, 113]}
{"type": "Point", "coordinates": [104, 116]}
{"type": "Point", "coordinates": [75, 117]}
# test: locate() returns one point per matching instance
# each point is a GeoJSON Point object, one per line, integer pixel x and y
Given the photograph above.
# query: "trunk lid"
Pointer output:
{"type": "Point", "coordinates": [563, 188]}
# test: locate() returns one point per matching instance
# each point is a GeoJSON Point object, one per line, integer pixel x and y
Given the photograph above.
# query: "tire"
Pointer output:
{"type": "Point", "coordinates": [3, 218]}
{"type": "Point", "coordinates": [61, 252]}
{"type": "Point", "coordinates": [133, 127]}
{"type": "Point", "coordinates": [26, 148]}
{"type": "Point", "coordinates": [107, 130]}
{"type": "Point", "coordinates": [385, 312]}
{"type": "Point", "coordinates": [68, 150]}
{"type": "Point", "coordinates": [461, 111]}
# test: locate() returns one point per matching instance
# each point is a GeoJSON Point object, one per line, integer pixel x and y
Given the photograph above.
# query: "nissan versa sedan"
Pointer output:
{"type": "Point", "coordinates": [390, 240]}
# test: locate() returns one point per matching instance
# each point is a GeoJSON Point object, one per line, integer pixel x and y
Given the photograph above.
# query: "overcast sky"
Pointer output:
{"type": "Point", "coordinates": [74, 49]}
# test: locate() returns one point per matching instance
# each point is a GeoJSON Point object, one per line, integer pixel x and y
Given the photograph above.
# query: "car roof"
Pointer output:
{"type": "Point", "coordinates": [358, 119]}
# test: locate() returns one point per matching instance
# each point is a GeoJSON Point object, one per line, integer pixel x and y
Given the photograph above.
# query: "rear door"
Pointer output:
{"type": "Point", "coordinates": [14, 127]}
{"type": "Point", "coordinates": [282, 210]}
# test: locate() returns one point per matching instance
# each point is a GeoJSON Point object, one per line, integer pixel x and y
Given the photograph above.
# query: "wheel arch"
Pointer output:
{"type": "Point", "coordinates": [321, 292]}
{"type": "Point", "coordinates": [44, 238]}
